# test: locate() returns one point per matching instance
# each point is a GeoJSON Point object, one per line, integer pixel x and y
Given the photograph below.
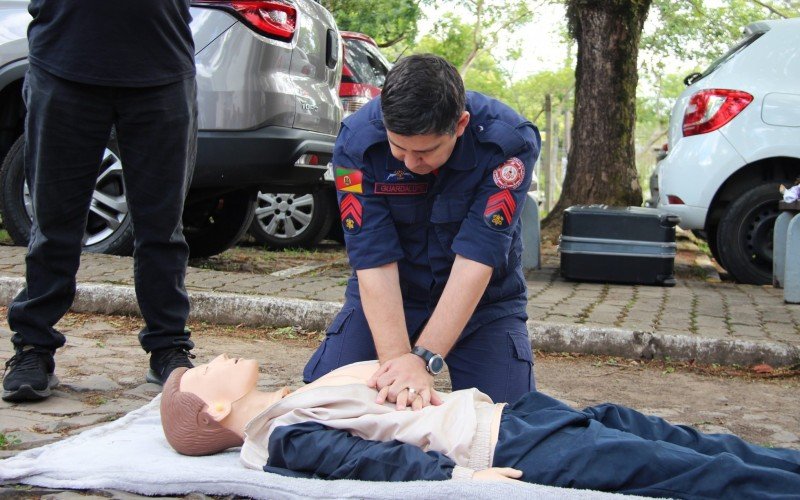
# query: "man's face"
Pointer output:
{"type": "Point", "coordinates": [422, 154]}
{"type": "Point", "coordinates": [224, 379]}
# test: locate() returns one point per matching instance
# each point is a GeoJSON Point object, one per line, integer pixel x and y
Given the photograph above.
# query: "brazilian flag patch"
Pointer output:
{"type": "Point", "coordinates": [348, 180]}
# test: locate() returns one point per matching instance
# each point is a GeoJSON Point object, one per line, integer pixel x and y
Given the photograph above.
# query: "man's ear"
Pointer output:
{"type": "Point", "coordinates": [462, 123]}
{"type": "Point", "coordinates": [218, 410]}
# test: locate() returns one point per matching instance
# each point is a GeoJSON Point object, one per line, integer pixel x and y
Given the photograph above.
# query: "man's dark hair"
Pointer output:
{"type": "Point", "coordinates": [423, 94]}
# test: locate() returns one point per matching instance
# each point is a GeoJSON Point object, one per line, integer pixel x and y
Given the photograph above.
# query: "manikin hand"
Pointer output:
{"type": "Point", "coordinates": [396, 376]}
{"type": "Point", "coordinates": [505, 474]}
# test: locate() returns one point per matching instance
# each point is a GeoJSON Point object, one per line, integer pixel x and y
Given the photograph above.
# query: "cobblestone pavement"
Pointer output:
{"type": "Point", "coordinates": [700, 306]}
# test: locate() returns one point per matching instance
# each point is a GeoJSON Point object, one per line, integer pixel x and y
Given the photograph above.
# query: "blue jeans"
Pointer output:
{"type": "Point", "coordinates": [66, 131]}
{"type": "Point", "coordinates": [495, 357]}
{"type": "Point", "coordinates": [614, 448]}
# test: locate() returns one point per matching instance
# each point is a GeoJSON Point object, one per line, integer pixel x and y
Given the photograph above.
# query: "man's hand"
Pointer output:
{"type": "Point", "coordinates": [505, 474]}
{"type": "Point", "coordinates": [396, 376]}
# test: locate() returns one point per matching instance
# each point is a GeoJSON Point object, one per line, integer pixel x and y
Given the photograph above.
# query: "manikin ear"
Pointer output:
{"type": "Point", "coordinates": [218, 410]}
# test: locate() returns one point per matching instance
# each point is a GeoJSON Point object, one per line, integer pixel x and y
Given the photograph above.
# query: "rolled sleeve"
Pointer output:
{"type": "Point", "coordinates": [375, 242]}
{"type": "Point", "coordinates": [487, 233]}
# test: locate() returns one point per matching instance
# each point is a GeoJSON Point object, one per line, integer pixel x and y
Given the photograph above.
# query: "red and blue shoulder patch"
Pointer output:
{"type": "Point", "coordinates": [500, 208]}
{"type": "Point", "coordinates": [510, 174]}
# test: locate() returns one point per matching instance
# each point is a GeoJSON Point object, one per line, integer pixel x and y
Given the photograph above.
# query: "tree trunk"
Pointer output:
{"type": "Point", "coordinates": [601, 165]}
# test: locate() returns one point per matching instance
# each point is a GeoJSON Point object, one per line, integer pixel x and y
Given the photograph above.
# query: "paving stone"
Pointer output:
{"type": "Point", "coordinates": [79, 421]}
{"type": "Point", "coordinates": [92, 383]}
{"type": "Point", "coordinates": [56, 405]}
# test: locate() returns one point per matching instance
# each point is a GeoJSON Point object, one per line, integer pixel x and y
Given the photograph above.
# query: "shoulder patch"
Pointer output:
{"type": "Point", "coordinates": [351, 212]}
{"type": "Point", "coordinates": [349, 180]}
{"type": "Point", "coordinates": [499, 211]}
{"type": "Point", "coordinates": [510, 174]}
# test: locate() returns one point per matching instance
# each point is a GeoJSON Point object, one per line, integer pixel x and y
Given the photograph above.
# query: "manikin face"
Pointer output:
{"type": "Point", "coordinates": [422, 154]}
{"type": "Point", "coordinates": [222, 381]}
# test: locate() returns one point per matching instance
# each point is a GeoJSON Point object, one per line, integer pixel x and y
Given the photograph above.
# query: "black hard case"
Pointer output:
{"type": "Point", "coordinates": [619, 245]}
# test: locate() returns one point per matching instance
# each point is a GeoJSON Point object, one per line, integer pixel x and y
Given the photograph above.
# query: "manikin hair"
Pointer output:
{"type": "Point", "coordinates": [189, 429]}
{"type": "Point", "coordinates": [423, 94]}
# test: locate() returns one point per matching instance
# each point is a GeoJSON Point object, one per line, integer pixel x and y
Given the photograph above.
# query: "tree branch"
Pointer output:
{"type": "Point", "coordinates": [770, 8]}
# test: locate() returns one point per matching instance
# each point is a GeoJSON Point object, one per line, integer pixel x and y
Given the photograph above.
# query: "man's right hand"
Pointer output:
{"type": "Point", "coordinates": [396, 376]}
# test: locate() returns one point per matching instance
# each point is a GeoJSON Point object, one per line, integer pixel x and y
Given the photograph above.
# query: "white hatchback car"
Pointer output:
{"type": "Point", "coordinates": [734, 137]}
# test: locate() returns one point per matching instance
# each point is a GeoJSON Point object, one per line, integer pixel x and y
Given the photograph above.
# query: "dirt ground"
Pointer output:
{"type": "Point", "coordinates": [761, 407]}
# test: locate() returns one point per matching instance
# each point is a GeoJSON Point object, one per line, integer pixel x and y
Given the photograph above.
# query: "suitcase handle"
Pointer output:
{"type": "Point", "coordinates": [670, 220]}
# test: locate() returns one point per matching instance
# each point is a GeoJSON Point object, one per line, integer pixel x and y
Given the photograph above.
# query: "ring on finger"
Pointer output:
{"type": "Point", "coordinates": [412, 392]}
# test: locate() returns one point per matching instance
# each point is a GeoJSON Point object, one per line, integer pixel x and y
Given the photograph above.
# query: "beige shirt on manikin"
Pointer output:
{"type": "Point", "coordinates": [464, 428]}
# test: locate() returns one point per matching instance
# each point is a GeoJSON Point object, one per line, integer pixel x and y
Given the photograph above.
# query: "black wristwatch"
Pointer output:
{"type": "Point", "coordinates": [434, 363]}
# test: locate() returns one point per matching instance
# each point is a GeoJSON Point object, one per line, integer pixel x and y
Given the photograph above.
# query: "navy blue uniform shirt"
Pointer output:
{"type": "Point", "coordinates": [470, 207]}
{"type": "Point", "coordinates": [117, 43]}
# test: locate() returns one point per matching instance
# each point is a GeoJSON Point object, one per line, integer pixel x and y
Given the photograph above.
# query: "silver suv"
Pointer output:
{"type": "Point", "coordinates": [268, 74]}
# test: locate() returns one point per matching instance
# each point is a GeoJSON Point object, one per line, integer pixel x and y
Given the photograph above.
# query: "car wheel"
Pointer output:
{"type": "Point", "coordinates": [285, 220]}
{"type": "Point", "coordinates": [108, 228]}
{"type": "Point", "coordinates": [744, 235]}
{"type": "Point", "coordinates": [215, 225]}
{"type": "Point", "coordinates": [711, 239]}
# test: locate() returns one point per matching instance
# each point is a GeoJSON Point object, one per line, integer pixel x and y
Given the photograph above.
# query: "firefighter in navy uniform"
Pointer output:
{"type": "Point", "coordinates": [431, 181]}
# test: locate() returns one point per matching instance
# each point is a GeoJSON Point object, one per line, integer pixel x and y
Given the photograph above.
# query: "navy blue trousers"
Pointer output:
{"type": "Point", "coordinates": [614, 448]}
{"type": "Point", "coordinates": [66, 130]}
{"type": "Point", "coordinates": [495, 357]}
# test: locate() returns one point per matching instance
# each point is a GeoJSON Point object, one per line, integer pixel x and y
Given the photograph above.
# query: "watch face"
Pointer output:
{"type": "Point", "coordinates": [436, 364]}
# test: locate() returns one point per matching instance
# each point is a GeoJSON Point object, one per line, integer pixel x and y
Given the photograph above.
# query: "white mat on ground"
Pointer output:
{"type": "Point", "coordinates": [131, 454]}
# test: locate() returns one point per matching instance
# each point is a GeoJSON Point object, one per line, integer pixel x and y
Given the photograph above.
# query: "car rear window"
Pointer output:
{"type": "Point", "coordinates": [731, 53]}
{"type": "Point", "coordinates": [366, 63]}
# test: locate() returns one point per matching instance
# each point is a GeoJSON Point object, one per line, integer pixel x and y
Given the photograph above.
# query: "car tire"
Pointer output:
{"type": "Point", "coordinates": [215, 225]}
{"type": "Point", "coordinates": [109, 228]}
{"type": "Point", "coordinates": [287, 220]}
{"type": "Point", "coordinates": [744, 235]}
{"type": "Point", "coordinates": [711, 239]}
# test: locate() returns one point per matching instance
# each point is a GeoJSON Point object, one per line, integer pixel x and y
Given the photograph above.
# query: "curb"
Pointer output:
{"type": "Point", "coordinates": [253, 310]}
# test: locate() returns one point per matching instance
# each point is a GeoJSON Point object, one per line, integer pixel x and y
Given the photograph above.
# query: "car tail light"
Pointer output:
{"type": "Point", "coordinates": [710, 109]}
{"type": "Point", "coordinates": [354, 96]}
{"type": "Point", "coordinates": [274, 19]}
{"type": "Point", "coordinates": [674, 200]}
{"type": "Point", "coordinates": [353, 103]}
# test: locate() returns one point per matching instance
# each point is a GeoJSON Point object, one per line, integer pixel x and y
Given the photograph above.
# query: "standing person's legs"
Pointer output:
{"type": "Point", "coordinates": [657, 429]}
{"type": "Point", "coordinates": [348, 339]}
{"type": "Point", "coordinates": [556, 445]}
{"type": "Point", "coordinates": [66, 129]}
{"type": "Point", "coordinates": [157, 134]}
{"type": "Point", "coordinates": [496, 358]}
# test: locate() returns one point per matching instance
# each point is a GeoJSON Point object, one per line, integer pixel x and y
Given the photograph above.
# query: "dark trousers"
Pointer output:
{"type": "Point", "coordinates": [495, 357]}
{"type": "Point", "coordinates": [66, 131]}
{"type": "Point", "coordinates": [614, 448]}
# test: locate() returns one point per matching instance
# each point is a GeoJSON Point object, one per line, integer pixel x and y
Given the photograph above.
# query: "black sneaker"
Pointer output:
{"type": "Point", "coordinates": [163, 361]}
{"type": "Point", "coordinates": [28, 375]}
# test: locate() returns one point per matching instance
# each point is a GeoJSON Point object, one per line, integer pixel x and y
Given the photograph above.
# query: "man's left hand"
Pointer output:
{"type": "Point", "coordinates": [396, 376]}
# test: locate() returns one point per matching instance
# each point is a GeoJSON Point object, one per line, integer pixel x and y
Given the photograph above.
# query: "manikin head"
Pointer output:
{"type": "Point", "coordinates": [204, 409]}
{"type": "Point", "coordinates": [424, 111]}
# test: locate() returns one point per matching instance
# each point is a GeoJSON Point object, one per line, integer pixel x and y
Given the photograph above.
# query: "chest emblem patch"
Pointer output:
{"type": "Point", "coordinates": [510, 174]}
{"type": "Point", "coordinates": [348, 180]}
{"type": "Point", "coordinates": [500, 208]}
{"type": "Point", "coordinates": [351, 213]}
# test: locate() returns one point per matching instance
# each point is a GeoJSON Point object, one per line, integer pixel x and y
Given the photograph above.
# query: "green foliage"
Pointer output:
{"type": "Point", "coordinates": [449, 38]}
{"type": "Point", "coordinates": [387, 21]}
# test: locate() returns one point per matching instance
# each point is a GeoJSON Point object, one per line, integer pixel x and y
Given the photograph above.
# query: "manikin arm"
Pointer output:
{"type": "Point", "coordinates": [334, 454]}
